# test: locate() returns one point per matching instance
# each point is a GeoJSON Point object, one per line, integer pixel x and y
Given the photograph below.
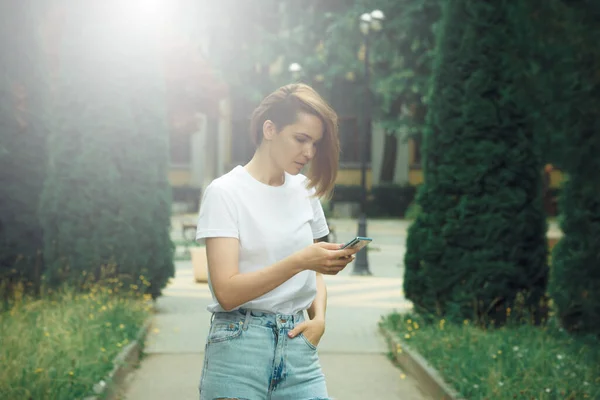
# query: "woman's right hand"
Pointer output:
{"type": "Point", "coordinates": [326, 258]}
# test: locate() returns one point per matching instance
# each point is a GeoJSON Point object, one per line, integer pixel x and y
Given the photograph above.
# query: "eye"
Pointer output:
{"type": "Point", "coordinates": [301, 139]}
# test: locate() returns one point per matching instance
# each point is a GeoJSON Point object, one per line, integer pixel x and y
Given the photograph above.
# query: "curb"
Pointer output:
{"type": "Point", "coordinates": [430, 381]}
{"type": "Point", "coordinates": [123, 364]}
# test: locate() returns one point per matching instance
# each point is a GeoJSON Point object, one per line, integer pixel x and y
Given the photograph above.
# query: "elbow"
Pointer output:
{"type": "Point", "coordinates": [226, 302]}
{"type": "Point", "coordinates": [227, 306]}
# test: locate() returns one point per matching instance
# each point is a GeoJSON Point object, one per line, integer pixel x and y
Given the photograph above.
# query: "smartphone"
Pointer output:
{"type": "Point", "coordinates": [358, 242]}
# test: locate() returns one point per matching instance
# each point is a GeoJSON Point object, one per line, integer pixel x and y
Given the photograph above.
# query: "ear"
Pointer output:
{"type": "Point", "coordinates": [269, 130]}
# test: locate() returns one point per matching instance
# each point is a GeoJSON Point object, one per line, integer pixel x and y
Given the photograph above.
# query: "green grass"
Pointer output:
{"type": "Point", "coordinates": [60, 346]}
{"type": "Point", "coordinates": [524, 362]}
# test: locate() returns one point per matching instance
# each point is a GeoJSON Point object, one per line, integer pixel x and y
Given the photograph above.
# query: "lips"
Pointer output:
{"type": "Point", "coordinates": [300, 164]}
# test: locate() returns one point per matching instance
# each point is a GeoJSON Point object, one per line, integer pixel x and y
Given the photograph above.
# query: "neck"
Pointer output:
{"type": "Point", "coordinates": [263, 169]}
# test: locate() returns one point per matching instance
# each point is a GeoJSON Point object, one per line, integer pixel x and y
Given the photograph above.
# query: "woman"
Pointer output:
{"type": "Point", "coordinates": [262, 223]}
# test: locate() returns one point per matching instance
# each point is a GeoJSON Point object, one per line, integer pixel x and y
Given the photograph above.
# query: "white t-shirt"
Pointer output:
{"type": "Point", "coordinates": [271, 223]}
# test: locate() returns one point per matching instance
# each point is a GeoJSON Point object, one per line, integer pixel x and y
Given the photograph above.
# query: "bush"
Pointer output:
{"type": "Point", "coordinates": [347, 193]}
{"type": "Point", "coordinates": [390, 200]}
{"type": "Point", "coordinates": [575, 284]}
{"type": "Point", "coordinates": [413, 210]}
{"type": "Point", "coordinates": [61, 345]}
{"type": "Point", "coordinates": [479, 244]}
{"type": "Point", "coordinates": [106, 201]}
{"type": "Point", "coordinates": [22, 148]}
{"type": "Point", "coordinates": [385, 200]}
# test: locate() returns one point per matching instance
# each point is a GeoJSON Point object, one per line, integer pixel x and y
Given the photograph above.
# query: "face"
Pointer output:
{"type": "Point", "coordinates": [296, 144]}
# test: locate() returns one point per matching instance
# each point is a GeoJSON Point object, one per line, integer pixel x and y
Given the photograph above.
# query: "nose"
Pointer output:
{"type": "Point", "coordinates": [309, 151]}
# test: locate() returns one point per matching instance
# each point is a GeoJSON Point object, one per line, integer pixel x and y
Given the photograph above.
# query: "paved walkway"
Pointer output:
{"type": "Point", "coordinates": [352, 352]}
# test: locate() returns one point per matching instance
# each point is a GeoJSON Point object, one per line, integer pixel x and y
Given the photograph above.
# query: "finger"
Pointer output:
{"type": "Point", "coordinates": [333, 269]}
{"type": "Point", "coordinates": [297, 330]}
{"type": "Point", "coordinates": [343, 261]}
{"type": "Point", "coordinates": [330, 246]}
{"type": "Point", "coordinates": [344, 252]}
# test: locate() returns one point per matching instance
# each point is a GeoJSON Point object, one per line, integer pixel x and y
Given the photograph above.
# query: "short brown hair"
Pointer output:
{"type": "Point", "coordinates": [282, 108]}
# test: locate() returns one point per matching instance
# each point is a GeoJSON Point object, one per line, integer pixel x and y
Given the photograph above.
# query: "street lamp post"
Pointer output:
{"type": "Point", "coordinates": [295, 69]}
{"type": "Point", "coordinates": [369, 23]}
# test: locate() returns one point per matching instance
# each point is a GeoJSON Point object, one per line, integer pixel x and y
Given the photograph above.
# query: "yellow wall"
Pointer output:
{"type": "Point", "coordinates": [556, 178]}
{"type": "Point", "coordinates": [179, 177]}
{"type": "Point", "coordinates": [415, 176]}
{"type": "Point", "coordinates": [352, 177]}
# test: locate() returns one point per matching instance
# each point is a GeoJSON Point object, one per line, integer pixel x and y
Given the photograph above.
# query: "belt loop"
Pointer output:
{"type": "Point", "coordinates": [212, 317]}
{"type": "Point", "coordinates": [245, 327]}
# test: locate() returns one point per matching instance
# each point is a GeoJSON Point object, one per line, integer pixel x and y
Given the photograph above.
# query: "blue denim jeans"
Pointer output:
{"type": "Point", "coordinates": [250, 356]}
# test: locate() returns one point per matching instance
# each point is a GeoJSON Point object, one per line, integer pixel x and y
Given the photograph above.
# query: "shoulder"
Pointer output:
{"type": "Point", "coordinates": [300, 182]}
{"type": "Point", "coordinates": [225, 185]}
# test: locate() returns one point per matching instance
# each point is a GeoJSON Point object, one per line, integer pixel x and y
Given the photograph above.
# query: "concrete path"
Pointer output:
{"type": "Point", "coordinates": [352, 352]}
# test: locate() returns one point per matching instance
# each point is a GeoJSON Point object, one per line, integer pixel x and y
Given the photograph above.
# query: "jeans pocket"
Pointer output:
{"type": "Point", "coordinates": [224, 331]}
{"type": "Point", "coordinates": [308, 343]}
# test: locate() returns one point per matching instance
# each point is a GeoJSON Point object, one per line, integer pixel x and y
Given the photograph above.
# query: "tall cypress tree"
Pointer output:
{"type": "Point", "coordinates": [22, 146]}
{"type": "Point", "coordinates": [106, 202]}
{"type": "Point", "coordinates": [575, 284]}
{"type": "Point", "coordinates": [479, 246]}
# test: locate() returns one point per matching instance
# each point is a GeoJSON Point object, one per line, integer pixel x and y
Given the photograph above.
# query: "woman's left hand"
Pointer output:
{"type": "Point", "coordinates": [312, 329]}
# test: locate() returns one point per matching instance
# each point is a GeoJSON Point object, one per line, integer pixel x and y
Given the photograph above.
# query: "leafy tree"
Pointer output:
{"type": "Point", "coordinates": [324, 37]}
{"type": "Point", "coordinates": [400, 59]}
{"type": "Point", "coordinates": [478, 250]}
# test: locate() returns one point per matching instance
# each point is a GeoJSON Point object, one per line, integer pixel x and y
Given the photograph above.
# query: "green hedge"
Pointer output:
{"type": "Point", "coordinates": [385, 200]}
{"type": "Point", "coordinates": [575, 284]}
{"type": "Point", "coordinates": [106, 204]}
{"type": "Point", "coordinates": [478, 247]}
{"type": "Point", "coordinates": [22, 148]}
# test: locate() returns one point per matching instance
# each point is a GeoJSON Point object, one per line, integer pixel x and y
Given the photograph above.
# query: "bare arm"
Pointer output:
{"type": "Point", "coordinates": [233, 289]}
